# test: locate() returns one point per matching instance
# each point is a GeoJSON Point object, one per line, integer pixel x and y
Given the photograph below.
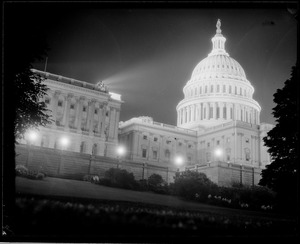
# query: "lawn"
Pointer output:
{"type": "Point", "coordinates": [67, 208]}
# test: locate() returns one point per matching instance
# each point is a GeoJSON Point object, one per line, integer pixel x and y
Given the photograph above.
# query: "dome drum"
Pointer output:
{"type": "Point", "coordinates": [218, 91]}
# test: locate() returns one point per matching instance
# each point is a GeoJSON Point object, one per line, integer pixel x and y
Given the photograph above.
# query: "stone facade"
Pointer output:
{"type": "Point", "coordinates": [86, 115]}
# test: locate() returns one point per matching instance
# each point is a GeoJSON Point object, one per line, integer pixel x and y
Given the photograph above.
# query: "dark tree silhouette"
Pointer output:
{"type": "Point", "coordinates": [282, 141]}
{"type": "Point", "coordinates": [23, 44]}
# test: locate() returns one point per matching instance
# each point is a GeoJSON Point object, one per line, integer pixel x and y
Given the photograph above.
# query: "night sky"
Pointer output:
{"type": "Point", "coordinates": [148, 54]}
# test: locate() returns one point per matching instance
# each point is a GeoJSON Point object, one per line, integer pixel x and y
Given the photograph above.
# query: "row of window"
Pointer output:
{"type": "Point", "coordinates": [155, 139]}
{"type": "Point", "coordinates": [167, 154]}
{"type": "Point", "coordinates": [72, 106]}
{"type": "Point", "coordinates": [186, 114]}
{"type": "Point", "coordinates": [217, 89]}
{"type": "Point", "coordinates": [228, 155]}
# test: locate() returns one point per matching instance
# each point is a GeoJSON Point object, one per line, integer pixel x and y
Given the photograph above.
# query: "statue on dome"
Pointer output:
{"type": "Point", "coordinates": [218, 25]}
{"type": "Point", "coordinates": [100, 85]}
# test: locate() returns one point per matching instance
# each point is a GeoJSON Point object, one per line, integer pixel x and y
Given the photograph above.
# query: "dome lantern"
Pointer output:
{"type": "Point", "coordinates": [218, 41]}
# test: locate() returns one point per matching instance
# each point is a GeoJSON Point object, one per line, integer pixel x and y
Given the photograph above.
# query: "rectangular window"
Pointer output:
{"type": "Point", "coordinates": [218, 142]}
{"type": "Point", "coordinates": [144, 153]}
{"type": "Point", "coordinates": [59, 103]}
{"type": "Point", "coordinates": [47, 100]}
{"type": "Point", "coordinates": [189, 159]}
{"type": "Point", "coordinates": [168, 141]}
{"type": "Point", "coordinates": [154, 154]}
{"type": "Point", "coordinates": [144, 137]}
{"type": "Point", "coordinates": [208, 144]}
{"type": "Point", "coordinates": [96, 111]}
{"type": "Point", "coordinates": [72, 106]}
{"type": "Point", "coordinates": [155, 139]}
{"type": "Point", "coordinates": [84, 109]}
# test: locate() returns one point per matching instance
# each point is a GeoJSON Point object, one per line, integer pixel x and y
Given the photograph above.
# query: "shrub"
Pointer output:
{"type": "Point", "coordinates": [21, 170]}
{"type": "Point", "coordinates": [121, 178]}
{"type": "Point", "coordinates": [91, 178]}
{"type": "Point", "coordinates": [189, 183]}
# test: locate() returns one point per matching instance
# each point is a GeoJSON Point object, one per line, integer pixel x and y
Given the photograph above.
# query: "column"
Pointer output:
{"type": "Point", "coordinates": [201, 111]}
{"type": "Point", "coordinates": [117, 118]}
{"type": "Point", "coordinates": [112, 125]}
{"type": "Point", "coordinates": [79, 113]}
{"type": "Point", "coordinates": [91, 116]}
{"type": "Point", "coordinates": [104, 106]}
{"type": "Point", "coordinates": [221, 106]}
{"type": "Point", "coordinates": [54, 103]}
{"type": "Point", "coordinates": [192, 113]}
{"type": "Point", "coordinates": [67, 110]}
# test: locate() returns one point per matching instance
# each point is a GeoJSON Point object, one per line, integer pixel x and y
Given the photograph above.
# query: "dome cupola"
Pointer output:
{"type": "Point", "coordinates": [218, 91]}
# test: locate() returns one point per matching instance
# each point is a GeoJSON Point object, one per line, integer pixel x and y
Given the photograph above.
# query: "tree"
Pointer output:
{"type": "Point", "coordinates": [24, 44]}
{"type": "Point", "coordinates": [189, 183]}
{"type": "Point", "coordinates": [282, 141]}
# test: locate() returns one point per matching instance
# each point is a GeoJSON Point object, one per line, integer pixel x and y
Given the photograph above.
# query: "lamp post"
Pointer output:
{"type": "Point", "coordinates": [179, 161]}
{"type": "Point", "coordinates": [120, 152]}
{"type": "Point", "coordinates": [64, 142]}
{"type": "Point", "coordinates": [218, 154]}
{"type": "Point", "coordinates": [31, 136]}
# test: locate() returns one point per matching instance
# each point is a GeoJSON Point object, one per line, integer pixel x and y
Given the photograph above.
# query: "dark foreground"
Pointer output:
{"type": "Point", "coordinates": [72, 219]}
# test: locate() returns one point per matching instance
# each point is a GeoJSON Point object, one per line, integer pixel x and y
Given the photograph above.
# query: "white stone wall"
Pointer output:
{"type": "Point", "coordinates": [88, 117]}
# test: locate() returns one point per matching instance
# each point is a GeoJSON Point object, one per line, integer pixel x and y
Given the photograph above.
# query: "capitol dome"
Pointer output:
{"type": "Point", "coordinates": [218, 91]}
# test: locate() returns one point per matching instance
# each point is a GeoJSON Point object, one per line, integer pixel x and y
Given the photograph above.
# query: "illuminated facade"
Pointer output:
{"type": "Point", "coordinates": [85, 117]}
{"type": "Point", "coordinates": [218, 125]}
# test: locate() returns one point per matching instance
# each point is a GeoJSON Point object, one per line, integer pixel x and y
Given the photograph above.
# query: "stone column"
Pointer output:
{"type": "Point", "coordinates": [192, 113]}
{"type": "Point", "coordinates": [221, 106]}
{"type": "Point", "coordinates": [79, 114]}
{"type": "Point", "coordinates": [67, 110]}
{"type": "Point", "coordinates": [54, 104]}
{"type": "Point", "coordinates": [91, 116]}
{"type": "Point", "coordinates": [117, 118]}
{"type": "Point", "coordinates": [104, 105]}
{"type": "Point", "coordinates": [112, 121]}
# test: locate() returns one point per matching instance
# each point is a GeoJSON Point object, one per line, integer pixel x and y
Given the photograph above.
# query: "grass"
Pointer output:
{"type": "Point", "coordinates": [64, 208]}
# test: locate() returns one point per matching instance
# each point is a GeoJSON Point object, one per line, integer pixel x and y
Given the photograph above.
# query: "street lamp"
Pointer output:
{"type": "Point", "coordinates": [179, 161]}
{"type": "Point", "coordinates": [31, 137]}
{"type": "Point", "coordinates": [64, 142]}
{"type": "Point", "coordinates": [121, 150]}
{"type": "Point", "coordinates": [218, 153]}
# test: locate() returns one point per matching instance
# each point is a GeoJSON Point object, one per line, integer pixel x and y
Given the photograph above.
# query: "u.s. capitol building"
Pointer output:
{"type": "Point", "coordinates": [218, 128]}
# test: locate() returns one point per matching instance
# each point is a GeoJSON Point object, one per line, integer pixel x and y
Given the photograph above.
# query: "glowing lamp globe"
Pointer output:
{"type": "Point", "coordinates": [121, 150]}
{"type": "Point", "coordinates": [64, 141]}
{"type": "Point", "coordinates": [178, 160]}
{"type": "Point", "coordinates": [32, 136]}
{"type": "Point", "coordinates": [218, 152]}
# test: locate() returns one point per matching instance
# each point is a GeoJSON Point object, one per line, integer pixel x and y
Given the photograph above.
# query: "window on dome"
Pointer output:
{"type": "Point", "coordinates": [200, 90]}
{"type": "Point", "coordinates": [204, 113]}
{"type": "Point", "coordinates": [230, 89]}
{"type": "Point", "coordinates": [231, 113]}
{"type": "Point", "coordinates": [224, 88]}
{"type": "Point", "coordinates": [241, 115]}
{"type": "Point", "coordinates": [218, 112]}
{"type": "Point", "coordinates": [205, 89]}
{"type": "Point", "coordinates": [211, 88]}
{"type": "Point", "coordinates": [218, 88]}
{"type": "Point", "coordinates": [241, 91]}
{"type": "Point", "coordinates": [210, 112]}
{"type": "Point", "coordinates": [235, 91]}
{"type": "Point", "coordinates": [224, 112]}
